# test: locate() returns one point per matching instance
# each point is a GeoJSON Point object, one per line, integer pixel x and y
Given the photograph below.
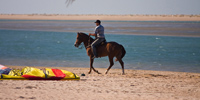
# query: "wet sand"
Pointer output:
{"type": "Point", "coordinates": [134, 85]}
{"type": "Point", "coordinates": [73, 26]}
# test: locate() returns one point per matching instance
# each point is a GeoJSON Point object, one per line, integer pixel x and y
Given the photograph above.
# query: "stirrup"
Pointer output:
{"type": "Point", "coordinates": [94, 57]}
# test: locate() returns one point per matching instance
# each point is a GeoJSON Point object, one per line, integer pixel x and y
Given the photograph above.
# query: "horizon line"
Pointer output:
{"type": "Point", "coordinates": [109, 14]}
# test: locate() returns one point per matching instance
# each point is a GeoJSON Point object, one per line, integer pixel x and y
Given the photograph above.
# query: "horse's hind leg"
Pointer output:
{"type": "Point", "coordinates": [111, 63]}
{"type": "Point", "coordinates": [122, 64]}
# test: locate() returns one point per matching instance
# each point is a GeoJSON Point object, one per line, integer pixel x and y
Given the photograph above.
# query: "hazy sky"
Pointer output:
{"type": "Point", "coordinates": [100, 7]}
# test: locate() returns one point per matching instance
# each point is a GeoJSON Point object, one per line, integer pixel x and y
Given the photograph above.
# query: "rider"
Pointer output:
{"type": "Point", "coordinates": [99, 36]}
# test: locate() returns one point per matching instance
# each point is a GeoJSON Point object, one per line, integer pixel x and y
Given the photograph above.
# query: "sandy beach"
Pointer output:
{"type": "Point", "coordinates": [134, 85]}
{"type": "Point", "coordinates": [101, 17]}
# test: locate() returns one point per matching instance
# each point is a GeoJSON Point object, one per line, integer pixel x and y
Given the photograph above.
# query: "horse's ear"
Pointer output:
{"type": "Point", "coordinates": [78, 33]}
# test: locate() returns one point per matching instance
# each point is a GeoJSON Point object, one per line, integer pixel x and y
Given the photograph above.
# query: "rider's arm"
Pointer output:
{"type": "Point", "coordinates": [93, 34]}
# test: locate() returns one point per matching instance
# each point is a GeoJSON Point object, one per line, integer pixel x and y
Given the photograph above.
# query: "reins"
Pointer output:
{"type": "Point", "coordinates": [89, 45]}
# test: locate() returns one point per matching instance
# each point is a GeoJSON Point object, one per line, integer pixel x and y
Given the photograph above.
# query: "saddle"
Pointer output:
{"type": "Point", "coordinates": [102, 43]}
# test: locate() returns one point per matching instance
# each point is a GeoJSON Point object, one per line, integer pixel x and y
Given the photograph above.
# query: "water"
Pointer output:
{"type": "Point", "coordinates": [36, 43]}
{"type": "Point", "coordinates": [171, 28]}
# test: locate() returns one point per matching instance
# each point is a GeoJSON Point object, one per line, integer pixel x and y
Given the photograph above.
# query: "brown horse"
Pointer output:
{"type": "Point", "coordinates": [110, 49]}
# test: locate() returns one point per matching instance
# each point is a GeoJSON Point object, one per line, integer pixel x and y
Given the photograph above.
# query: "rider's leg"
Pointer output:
{"type": "Point", "coordinates": [94, 44]}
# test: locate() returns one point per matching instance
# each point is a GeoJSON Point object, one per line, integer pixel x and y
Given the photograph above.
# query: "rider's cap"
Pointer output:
{"type": "Point", "coordinates": [98, 21]}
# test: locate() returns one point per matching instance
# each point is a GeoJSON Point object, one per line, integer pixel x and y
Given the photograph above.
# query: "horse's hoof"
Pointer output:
{"type": "Point", "coordinates": [106, 71]}
{"type": "Point", "coordinates": [123, 73]}
{"type": "Point", "coordinates": [98, 72]}
{"type": "Point", "coordinates": [89, 72]}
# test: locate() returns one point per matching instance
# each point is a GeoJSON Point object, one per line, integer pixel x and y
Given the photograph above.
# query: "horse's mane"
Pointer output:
{"type": "Point", "coordinates": [85, 35]}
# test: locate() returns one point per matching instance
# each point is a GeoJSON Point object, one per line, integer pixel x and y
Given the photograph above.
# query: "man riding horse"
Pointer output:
{"type": "Point", "coordinates": [110, 49]}
{"type": "Point", "coordinates": [99, 37]}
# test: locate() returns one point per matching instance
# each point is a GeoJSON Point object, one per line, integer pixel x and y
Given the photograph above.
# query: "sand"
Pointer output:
{"type": "Point", "coordinates": [102, 17]}
{"type": "Point", "coordinates": [134, 85]}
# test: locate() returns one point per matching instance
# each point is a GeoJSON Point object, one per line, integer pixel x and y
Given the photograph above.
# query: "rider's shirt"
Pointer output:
{"type": "Point", "coordinates": [99, 31]}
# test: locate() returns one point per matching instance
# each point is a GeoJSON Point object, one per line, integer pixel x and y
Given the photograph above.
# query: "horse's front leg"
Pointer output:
{"type": "Point", "coordinates": [91, 64]}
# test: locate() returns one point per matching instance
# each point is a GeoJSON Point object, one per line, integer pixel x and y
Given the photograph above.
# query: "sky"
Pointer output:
{"type": "Point", "coordinates": [118, 7]}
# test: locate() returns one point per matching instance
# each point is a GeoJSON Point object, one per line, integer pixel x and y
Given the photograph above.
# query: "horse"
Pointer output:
{"type": "Point", "coordinates": [110, 49]}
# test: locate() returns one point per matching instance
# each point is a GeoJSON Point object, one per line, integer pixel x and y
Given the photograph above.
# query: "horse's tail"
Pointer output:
{"type": "Point", "coordinates": [123, 52]}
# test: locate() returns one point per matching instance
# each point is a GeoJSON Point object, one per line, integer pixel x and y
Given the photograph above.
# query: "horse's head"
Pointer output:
{"type": "Point", "coordinates": [79, 39]}
{"type": "Point", "coordinates": [82, 37]}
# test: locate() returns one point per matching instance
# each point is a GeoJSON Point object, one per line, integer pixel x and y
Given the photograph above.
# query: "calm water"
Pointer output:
{"type": "Point", "coordinates": [50, 43]}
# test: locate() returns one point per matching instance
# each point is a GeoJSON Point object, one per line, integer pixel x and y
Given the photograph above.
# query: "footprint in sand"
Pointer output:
{"type": "Point", "coordinates": [21, 97]}
{"type": "Point", "coordinates": [30, 87]}
{"type": "Point", "coordinates": [17, 88]}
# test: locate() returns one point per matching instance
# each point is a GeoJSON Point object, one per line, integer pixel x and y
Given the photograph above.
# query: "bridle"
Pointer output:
{"type": "Point", "coordinates": [82, 45]}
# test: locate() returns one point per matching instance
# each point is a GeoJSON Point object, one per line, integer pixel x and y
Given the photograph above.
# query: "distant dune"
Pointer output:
{"type": "Point", "coordinates": [101, 17]}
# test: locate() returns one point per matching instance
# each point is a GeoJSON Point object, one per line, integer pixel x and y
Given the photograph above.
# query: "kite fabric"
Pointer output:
{"type": "Point", "coordinates": [30, 73]}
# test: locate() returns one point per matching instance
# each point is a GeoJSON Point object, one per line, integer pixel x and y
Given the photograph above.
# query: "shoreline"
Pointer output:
{"type": "Point", "coordinates": [135, 84]}
{"type": "Point", "coordinates": [87, 68]}
{"type": "Point", "coordinates": [101, 17]}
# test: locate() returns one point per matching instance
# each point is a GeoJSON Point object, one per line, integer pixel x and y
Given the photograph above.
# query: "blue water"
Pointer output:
{"type": "Point", "coordinates": [56, 48]}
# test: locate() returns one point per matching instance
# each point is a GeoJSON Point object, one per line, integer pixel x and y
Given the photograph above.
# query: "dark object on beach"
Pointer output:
{"type": "Point", "coordinates": [110, 49]}
{"type": "Point", "coordinates": [83, 74]}
{"type": "Point", "coordinates": [4, 70]}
